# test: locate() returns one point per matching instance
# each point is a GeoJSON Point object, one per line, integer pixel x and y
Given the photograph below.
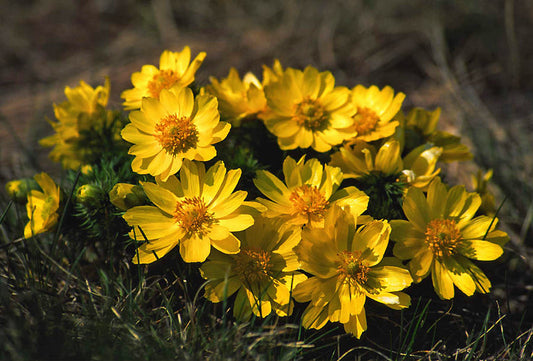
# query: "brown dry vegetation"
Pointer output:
{"type": "Point", "coordinates": [472, 58]}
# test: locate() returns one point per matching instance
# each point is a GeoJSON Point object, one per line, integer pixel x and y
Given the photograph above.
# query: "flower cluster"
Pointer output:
{"type": "Point", "coordinates": [354, 212]}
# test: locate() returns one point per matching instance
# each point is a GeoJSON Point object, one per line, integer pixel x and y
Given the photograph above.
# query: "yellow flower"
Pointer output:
{"type": "Point", "coordinates": [348, 266]}
{"type": "Point", "coordinates": [19, 189]}
{"type": "Point", "coordinates": [196, 212]}
{"type": "Point", "coordinates": [308, 192]}
{"type": "Point", "coordinates": [272, 75]}
{"type": "Point", "coordinates": [42, 206]}
{"type": "Point", "coordinates": [441, 235]}
{"type": "Point", "coordinates": [238, 99]}
{"type": "Point", "coordinates": [175, 127]}
{"type": "Point", "coordinates": [175, 68]}
{"type": "Point", "coordinates": [420, 126]}
{"type": "Point", "coordinates": [305, 109]}
{"type": "Point", "coordinates": [82, 113]}
{"type": "Point", "coordinates": [361, 159]}
{"type": "Point", "coordinates": [375, 111]}
{"type": "Point", "coordinates": [262, 274]}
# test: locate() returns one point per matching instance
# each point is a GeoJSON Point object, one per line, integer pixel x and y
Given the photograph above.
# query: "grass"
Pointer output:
{"type": "Point", "coordinates": [69, 298]}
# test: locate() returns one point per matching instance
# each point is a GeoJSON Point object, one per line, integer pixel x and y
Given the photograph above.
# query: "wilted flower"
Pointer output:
{"type": "Point", "coordinates": [238, 99]}
{"type": "Point", "coordinates": [42, 207]}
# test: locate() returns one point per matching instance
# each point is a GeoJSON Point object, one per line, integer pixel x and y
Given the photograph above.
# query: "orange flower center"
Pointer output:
{"type": "Point", "coordinates": [162, 80]}
{"type": "Point", "coordinates": [365, 120]}
{"type": "Point", "coordinates": [193, 217]}
{"type": "Point", "coordinates": [308, 201]}
{"type": "Point", "coordinates": [352, 267]}
{"type": "Point", "coordinates": [309, 113]}
{"type": "Point", "coordinates": [253, 265]}
{"type": "Point", "coordinates": [175, 134]}
{"type": "Point", "coordinates": [442, 237]}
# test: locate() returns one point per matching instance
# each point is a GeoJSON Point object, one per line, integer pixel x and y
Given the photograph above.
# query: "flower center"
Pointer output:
{"type": "Point", "coordinates": [310, 114]}
{"type": "Point", "coordinates": [175, 134]}
{"type": "Point", "coordinates": [253, 265]}
{"type": "Point", "coordinates": [365, 120]}
{"type": "Point", "coordinates": [162, 80]}
{"type": "Point", "coordinates": [308, 201]}
{"type": "Point", "coordinates": [442, 237]}
{"type": "Point", "coordinates": [352, 267]}
{"type": "Point", "coordinates": [192, 216]}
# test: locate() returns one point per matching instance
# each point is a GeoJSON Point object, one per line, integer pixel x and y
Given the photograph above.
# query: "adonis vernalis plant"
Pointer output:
{"type": "Point", "coordinates": [359, 216]}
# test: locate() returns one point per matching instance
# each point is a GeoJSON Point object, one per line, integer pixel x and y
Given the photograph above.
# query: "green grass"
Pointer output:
{"type": "Point", "coordinates": [58, 302]}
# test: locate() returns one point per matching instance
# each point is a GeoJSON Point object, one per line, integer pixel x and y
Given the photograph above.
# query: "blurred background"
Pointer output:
{"type": "Point", "coordinates": [473, 58]}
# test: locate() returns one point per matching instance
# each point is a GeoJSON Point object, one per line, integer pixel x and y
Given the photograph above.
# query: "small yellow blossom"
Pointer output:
{"type": "Point", "coordinates": [305, 109]}
{"type": "Point", "coordinates": [420, 126]}
{"type": "Point", "coordinates": [348, 266]}
{"type": "Point", "coordinates": [42, 207]}
{"type": "Point", "coordinates": [81, 118]}
{"type": "Point", "coordinates": [308, 192]}
{"type": "Point", "coordinates": [175, 69]}
{"type": "Point", "coordinates": [262, 274]}
{"type": "Point", "coordinates": [238, 99]}
{"type": "Point", "coordinates": [19, 189]}
{"type": "Point", "coordinates": [375, 110]}
{"type": "Point", "coordinates": [175, 127]}
{"type": "Point", "coordinates": [196, 212]}
{"type": "Point", "coordinates": [361, 159]}
{"type": "Point", "coordinates": [440, 237]}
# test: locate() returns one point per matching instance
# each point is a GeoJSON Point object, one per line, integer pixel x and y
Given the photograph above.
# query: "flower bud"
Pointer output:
{"type": "Point", "coordinates": [89, 194]}
{"type": "Point", "coordinates": [19, 189]}
{"type": "Point", "coordinates": [125, 196]}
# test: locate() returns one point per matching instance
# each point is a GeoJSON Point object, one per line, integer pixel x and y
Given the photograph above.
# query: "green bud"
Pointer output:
{"type": "Point", "coordinates": [19, 189]}
{"type": "Point", "coordinates": [90, 195]}
{"type": "Point", "coordinates": [125, 196]}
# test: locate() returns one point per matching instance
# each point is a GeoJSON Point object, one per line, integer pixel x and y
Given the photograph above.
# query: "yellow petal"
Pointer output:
{"type": "Point", "coordinates": [161, 197]}
{"type": "Point", "coordinates": [480, 250]}
{"type": "Point", "coordinates": [190, 175]}
{"type": "Point", "coordinates": [442, 282]}
{"type": "Point", "coordinates": [314, 317]}
{"type": "Point", "coordinates": [391, 278]}
{"type": "Point", "coordinates": [421, 264]}
{"type": "Point", "coordinates": [356, 325]}
{"type": "Point", "coordinates": [241, 306]}
{"type": "Point", "coordinates": [416, 208]}
{"type": "Point", "coordinates": [388, 160]}
{"type": "Point", "coordinates": [140, 121]}
{"type": "Point", "coordinates": [372, 240]}
{"type": "Point", "coordinates": [238, 222]}
{"type": "Point", "coordinates": [144, 257]}
{"type": "Point", "coordinates": [195, 249]}
{"type": "Point", "coordinates": [478, 227]}
{"type": "Point", "coordinates": [460, 277]}
{"type": "Point", "coordinates": [229, 206]}
{"type": "Point", "coordinates": [227, 188]}
{"type": "Point", "coordinates": [230, 244]}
